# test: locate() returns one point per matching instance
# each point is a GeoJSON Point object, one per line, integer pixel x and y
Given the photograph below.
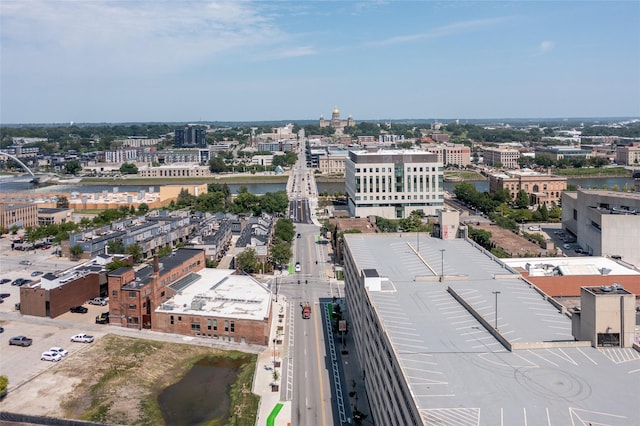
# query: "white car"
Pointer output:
{"type": "Point", "coordinates": [82, 338]}
{"type": "Point", "coordinates": [298, 268]}
{"type": "Point", "coordinates": [98, 301]}
{"type": "Point", "coordinates": [566, 246]}
{"type": "Point", "coordinates": [50, 356]}
{"type": "Point", "coordinates": [534, 228]}
{"type": "Point", "coordinates": [59, 351]}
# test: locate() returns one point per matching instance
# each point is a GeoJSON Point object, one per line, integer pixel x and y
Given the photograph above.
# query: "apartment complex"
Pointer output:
{"type": "Point", "coordinates": [393, 183]}
{"type": "Point", "coordinates": [446, 333]}
{"type": "Point", "coordinates": [628, 155]}
{"type": "Point", "coordinates": [190, 136]}
{"type": "Point", "coordinates": [541, 188]}
{"type": "Point", "coordinates": [604, 223]}
{"type": "Point", "coordinates": [504, 157]}
{"type": "Point", "coordinates": [20, 215]}
{"type": "Point", "coordinates": [451, 154]}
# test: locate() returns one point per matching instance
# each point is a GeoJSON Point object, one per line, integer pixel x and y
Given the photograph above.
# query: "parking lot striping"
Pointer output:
{"type": "Point", "coordinates": [547, 315]}
{"type": "Point", "coordinates": [398, 340]}
{"type": "Point", "coordinates": [564, 355]}
{"type": "Point", "coordinates": [621, 355]}
{"type": "Point", "coordinates": [477, 331]}
{"type": "Point", "coordinates": [542, 358]}
{"type": "Point", "coordinates": [587, 356]}
{"type": "Point", "coordinates": [423, 370]}
{"type": "Point", "coordinates": [464, 322]}
{"type": "Point", "coordinates": [446, 303]}
{"type": "Point", "coordinates": [408, 334]}
{"type": "Point", "coordinates": [421, 381]}
{"type": "Point", "coordinates": [421, 348]}
{"type": "Point", "coordinates": [634, 371]}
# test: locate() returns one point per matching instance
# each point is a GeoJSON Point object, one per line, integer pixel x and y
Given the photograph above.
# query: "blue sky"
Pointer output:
{"type": "Point", "coordinates": [134, 61]}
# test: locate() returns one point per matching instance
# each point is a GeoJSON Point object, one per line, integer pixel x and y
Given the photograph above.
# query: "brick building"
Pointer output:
{"type": "Point", "coordinates": [541, 188]}
{"type": "Point", "coordinates": [20, 215]}
{"type": "Point", "coordinates": [134, 294]}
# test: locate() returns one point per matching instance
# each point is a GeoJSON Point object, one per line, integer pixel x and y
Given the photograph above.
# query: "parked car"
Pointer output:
{"type": "Point", "coordinates": [59, 351]}
{"type": "Point", "coordinates": [18, 281]}
{"type": "Point", "coordinates": [566, 246]}
{"type": "Point", "coordinates": [103, 318]}
{"type": "Point", "coordinates": [4, 295]}
{"type": "Point", "coordinates": [82, 338]}
{"type": "Point", "coordinates": [5, 280]}
{"type": "Point", "coordinates": [1, 329]}
{"type": "Point", "coordinates": [79, 309]}
{"type": "Point", "coordinates": [36, 273]}
{"type": "Point", "coordinates": [98, 301]}
{"type": "Point", "coordinates": [50, 356]}
{"type": "Point", "coordinates": [26, 262]}
{"type": "Point", "coordinates": [20, 341]}
{"type": "Point", "coordinates": [534, 228]}
{"type": "Point", "coordinates": [45, 247]}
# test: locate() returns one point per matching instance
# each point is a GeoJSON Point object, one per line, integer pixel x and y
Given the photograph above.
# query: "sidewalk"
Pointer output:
{"type": "Point", "coordinates": [272, 410]}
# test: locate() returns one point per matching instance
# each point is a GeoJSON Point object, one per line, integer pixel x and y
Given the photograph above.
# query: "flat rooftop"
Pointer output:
{"type": "Point", "coordinates": [221, 293]}
{"type": "Point", "coordinates": [457, 369]}
{"type": "Point", "coordinates": [568, 266]}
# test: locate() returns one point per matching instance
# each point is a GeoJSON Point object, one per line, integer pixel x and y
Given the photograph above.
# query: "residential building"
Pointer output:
{"type": "Point", "coordinates": [138, 141]}
{"type": "Point", "coordinates": [444, 332]}
{"type": "Point", "coordinates": [506, 158]}
{"type": "Point", "coordinates": [628, 155]}
{"type": "Point", "coordinates": [121, 156]}
{"type": "Point", "coordinates": [256, 234]}
{"type": "Point", "coordinates": [541, 188]}
{"type": "Point", "coordinates": [393, 183]}
{"type": "Point", "coordinates": [190, 136]}
{"type": "Point", "coordinates": [20, 215]}
{"type": "Point", "coordinates": [451, 154]}
{"type": "Point", "coordinates": [604, 223]}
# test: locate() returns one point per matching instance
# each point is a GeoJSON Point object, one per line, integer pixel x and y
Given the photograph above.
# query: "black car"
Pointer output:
{"type": "Point", "coordinates": [4, 295]}
{"type": "Point", "coordinates": [79, 310]}
{"type": "Point", "coordinates": [5, 280]}
{"type": "Point", "coordinates": [18, 281]}
{"type": "Point", "coordinates": [103, 318]}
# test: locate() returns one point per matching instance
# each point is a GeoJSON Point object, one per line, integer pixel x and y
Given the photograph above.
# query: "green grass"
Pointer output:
{"type": "Point", "coordinates": [236, 179]}
{"type": "Point", "coordinates": [464, 174]}
{"type": "Point", "coordinates": [594, 172]}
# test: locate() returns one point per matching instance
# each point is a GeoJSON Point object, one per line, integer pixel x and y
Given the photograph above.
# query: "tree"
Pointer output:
{"type": "Point", "coordinates": [164, 251]}
{"type": "Point", "coordinates": [128, 169]}
{"type": "Point", "coordinates": [281, 253]}
{"type": "Point", "coordinates": [72, 167]}
{"type": "Point", "coordinates": [76, 251]}
{"type": "Point", "coordinates": [284, 230]}
{"type": "Point", "coordinates": [522, 200]}
{"type": "Point", "coordinates": [247, 261]}
{"type": "Point", "coordinates": [115, 264]}
{"type": "Point", "coordinates": [217, 165]}
{"type": "Point", "coordinates": [115, 247]}
{"type": "Point", "coordinates": [143, 208]}
{"type": "Point", "coordinates": [135, 251]}
{"type": "Point", "coordinates": [62, 203]}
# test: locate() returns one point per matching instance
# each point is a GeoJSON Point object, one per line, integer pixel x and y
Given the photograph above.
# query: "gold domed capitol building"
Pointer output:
{"type": "Point", "coordinates": [336, 122]}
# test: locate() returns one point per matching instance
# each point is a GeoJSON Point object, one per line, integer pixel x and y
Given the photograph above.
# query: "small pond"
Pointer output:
{"type": "Point", "coordinates": [202, 396]}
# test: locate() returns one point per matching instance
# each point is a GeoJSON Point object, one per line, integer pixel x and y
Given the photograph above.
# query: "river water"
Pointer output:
{"type": "Point", "coordinates": [10, 185]}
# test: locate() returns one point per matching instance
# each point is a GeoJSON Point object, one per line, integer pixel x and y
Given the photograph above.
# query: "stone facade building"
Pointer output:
{"type": "Point", "coordinates": [541, 188]}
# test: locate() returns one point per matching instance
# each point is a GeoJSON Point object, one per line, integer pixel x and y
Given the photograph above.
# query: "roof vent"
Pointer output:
{"type": "Point", "coordinates": [606, 288]}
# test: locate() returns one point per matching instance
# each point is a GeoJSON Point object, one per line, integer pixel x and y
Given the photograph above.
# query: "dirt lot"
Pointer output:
{"type": "Point", "coordinates": [115, 379]}
{"type": "Point", "coordinates": [512, 243]}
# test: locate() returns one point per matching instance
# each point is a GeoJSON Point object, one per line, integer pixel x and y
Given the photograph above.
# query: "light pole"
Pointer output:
{"type": "Point", "coordinates": [496, 293]}
{"type": "Point", "coordinates": [442, 264]}
{"type": "Point", "coordinates": [274, 354]}
{"type": "Point", "coordinates": [276, 289]}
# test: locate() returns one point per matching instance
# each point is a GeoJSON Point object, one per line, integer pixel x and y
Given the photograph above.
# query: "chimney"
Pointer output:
{"type": "Point", "coordinates": [156, 265]}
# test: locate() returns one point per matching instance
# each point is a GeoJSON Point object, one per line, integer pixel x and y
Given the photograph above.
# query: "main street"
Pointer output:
{"type": "Point", "coordinates": [311, 377]}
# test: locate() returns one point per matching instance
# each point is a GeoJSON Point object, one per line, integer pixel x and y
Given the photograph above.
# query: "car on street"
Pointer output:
{"type": "Point", "coordinates": [4, 295]}
{"type": "Point", "coordinates": [5, 280]}
{"type": "Point", "coordinates": [98, 301]}
{"type": "Point", "coordinates": [79, 309]}
{"type": "Point", "coordinates": [26, 262]}
{"type": "Point", "coordinates": [298, 268]}
{"type": "Point", "coordinates": [534, 228]}
{"type": "Point", "coordinates": [566, 246]}
{"type": "Point", "coordinates": [20, 341]}
{"type": "Point", "coordinates": [58, 350]}
{"type": "Point", "coordinates": [82, 338]}
{"type": "Point", "coordinates": [50, 356]}
{"type": "Point", "coordinates": [36, 273]}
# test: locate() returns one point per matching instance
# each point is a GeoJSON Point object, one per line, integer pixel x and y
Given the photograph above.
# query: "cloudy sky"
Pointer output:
{"type": "Point", "coordinates": [134, 61]}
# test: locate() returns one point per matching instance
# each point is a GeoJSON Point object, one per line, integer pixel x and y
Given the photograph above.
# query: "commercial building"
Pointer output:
{"type": "Point", "coordinates": [604, 223]}
{"type": "Point", "coordinates": [393, 183]}
{"type": "Point", "coordinates": [49, 216]}
{"type": "Point", "coordinates": [445, 333]}
{"type": "Point", "coordinates": [20, 215]}
{"type": "Point", "coordinates": [506, 158]}
{"type": "Point", "coordinates": [451, 154]}
{"type": "Point", "coordinates": [190, 136]}
{"type": "Point", "coordinates": [541, 188]}
{"type": "Point", "coordinates": [562, 152]}
{"type": "Point", "coordinates": [332, 162]}
{"type": "Point", "coordinates": [174, 170]}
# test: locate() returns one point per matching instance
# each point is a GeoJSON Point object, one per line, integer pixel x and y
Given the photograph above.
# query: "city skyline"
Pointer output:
{"type": "Point", "coordinates": [269, 61]}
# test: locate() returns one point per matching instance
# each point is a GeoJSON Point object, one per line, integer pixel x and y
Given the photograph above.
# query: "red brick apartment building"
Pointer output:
{"type": "Point", "coordinates": [177, 294]}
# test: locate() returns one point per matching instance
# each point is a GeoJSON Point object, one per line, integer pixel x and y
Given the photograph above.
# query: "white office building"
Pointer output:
{"type": "Point", "coordinates": [393, 183]}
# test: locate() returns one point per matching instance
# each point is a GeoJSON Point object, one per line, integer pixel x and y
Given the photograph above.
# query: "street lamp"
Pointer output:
{"type": "Point", "coordinates": [496, 323]}
{"type": "Point", "coordinates": [274, 354]}
{"type": "Point", "coordinates": [442, 264]}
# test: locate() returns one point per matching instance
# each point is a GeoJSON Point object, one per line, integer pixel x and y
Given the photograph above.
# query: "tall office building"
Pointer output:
{"type": "Point", "coordinates": [393, 183]}
{"type": "Point", "coordinates": [190, 136]}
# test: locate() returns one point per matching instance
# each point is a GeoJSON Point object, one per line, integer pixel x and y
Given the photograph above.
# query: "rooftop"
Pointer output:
{"type": "Point", "coordinates": [222, 293]}
{"type": "Point", "coordinates": [453, 363]}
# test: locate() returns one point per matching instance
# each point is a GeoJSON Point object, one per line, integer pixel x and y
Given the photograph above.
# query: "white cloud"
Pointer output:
{"type": "Point", "coordinates": [545, 46]}
{"type": "Point", "coordinates": [443, 31]}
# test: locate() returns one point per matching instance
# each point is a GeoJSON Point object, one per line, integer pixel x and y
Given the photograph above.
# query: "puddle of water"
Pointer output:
{"type": "Point", "coordinates": [202, 396]}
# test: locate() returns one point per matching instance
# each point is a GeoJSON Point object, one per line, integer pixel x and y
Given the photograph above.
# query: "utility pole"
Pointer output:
{"type": "Point", "coordinates": [496, 323]}
{"type": "Point", "coordinates": [442, 264]}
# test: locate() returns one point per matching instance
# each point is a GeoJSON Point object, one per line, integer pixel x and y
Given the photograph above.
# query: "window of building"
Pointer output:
{"type": "Point", "coordinates": [179, 319]}
{"type": "Point", "coordinates": [215, 325]}
{"type": "Point", "coordinates": [195, 326]}
{"type": "Point", "coordinates": [226, 325]}
{"type": "Point", "coordinates": [171, 321]}
{"type": "Point", "coordinates": [132, 294]}
{"type": "Point", "coordinates": [233, 326]}
{"type": "Point", "coordinates": [209, 324]}
{"type": "Point", "coordinates": [114, 293]}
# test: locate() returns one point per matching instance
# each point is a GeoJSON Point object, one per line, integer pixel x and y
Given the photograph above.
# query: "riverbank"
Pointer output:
{"type": "Point", "coordinates": [587, 173]}
{"type": "Point", "coordinates": [229, 179]}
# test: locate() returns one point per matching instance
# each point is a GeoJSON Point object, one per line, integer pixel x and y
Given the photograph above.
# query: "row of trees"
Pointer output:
{"type": "Point", "coordinates": [564, 163]}
{"type": "Point", "coordinates": [219, 199]}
